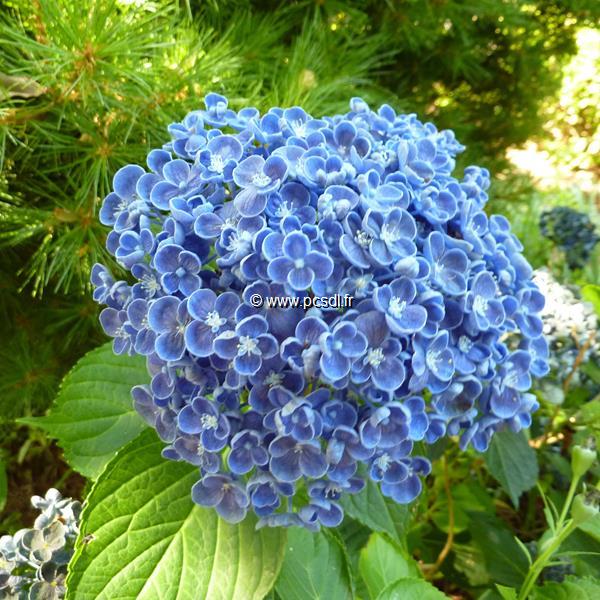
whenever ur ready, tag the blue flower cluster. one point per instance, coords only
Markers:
(269, 402)
(572, 231)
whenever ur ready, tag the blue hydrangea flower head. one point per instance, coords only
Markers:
(286, 408)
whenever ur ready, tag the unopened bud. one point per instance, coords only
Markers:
(582, 458)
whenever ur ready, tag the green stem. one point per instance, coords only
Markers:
(543, 559)
(567, 504)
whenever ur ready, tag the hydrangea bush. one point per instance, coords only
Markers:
(33, 562)
(283, 410)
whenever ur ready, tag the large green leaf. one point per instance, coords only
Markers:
(142, 537)
(504, 558)
(372, 509)
(382, 562)
(513, 463)
(584, 588)
(314, 568)
(93, 415)
(411, 588)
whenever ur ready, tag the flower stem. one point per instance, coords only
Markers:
(450, 539)
(543, 559)
(567, 504)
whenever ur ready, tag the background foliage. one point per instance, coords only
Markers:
(87, 86)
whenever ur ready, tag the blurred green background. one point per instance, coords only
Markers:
(87, 86)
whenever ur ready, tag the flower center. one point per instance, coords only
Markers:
(283, 210)
(150, 284)
(214, 320)
(240, 242)
(432, 359)
(396, 307)
(121, 333)
(362, 239)
(480, 305)
(388, 234)
(464, 344)
(209, 421)
(333, 491)
(299, 263)
(363, 281)
(216, 163)
(180, 272)
(383, 462)
(273, 379)
(375, 356)
(247, 345)
(299, 128)
(260, 180)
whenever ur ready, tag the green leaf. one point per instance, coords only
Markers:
(313, 568)
(513, 463)
(411, 588)
(507, 593)
(572, 588)
(3, 485)
(93, 415)
(583, 549)
(504, 558)
(372, 509)
(143, 538)
(592, 527)
(591, 293)
(590, 411)
(382, 563)
(467, 496)
(469, 559)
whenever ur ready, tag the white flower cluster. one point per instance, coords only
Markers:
(33, 562)
(570, 324)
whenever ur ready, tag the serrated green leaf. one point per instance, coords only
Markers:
(513, 463)
(572, 588)
(371, 508)
(93, 414)
(313, 568)
(411, 588)
(142, 537)
(381, 563)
